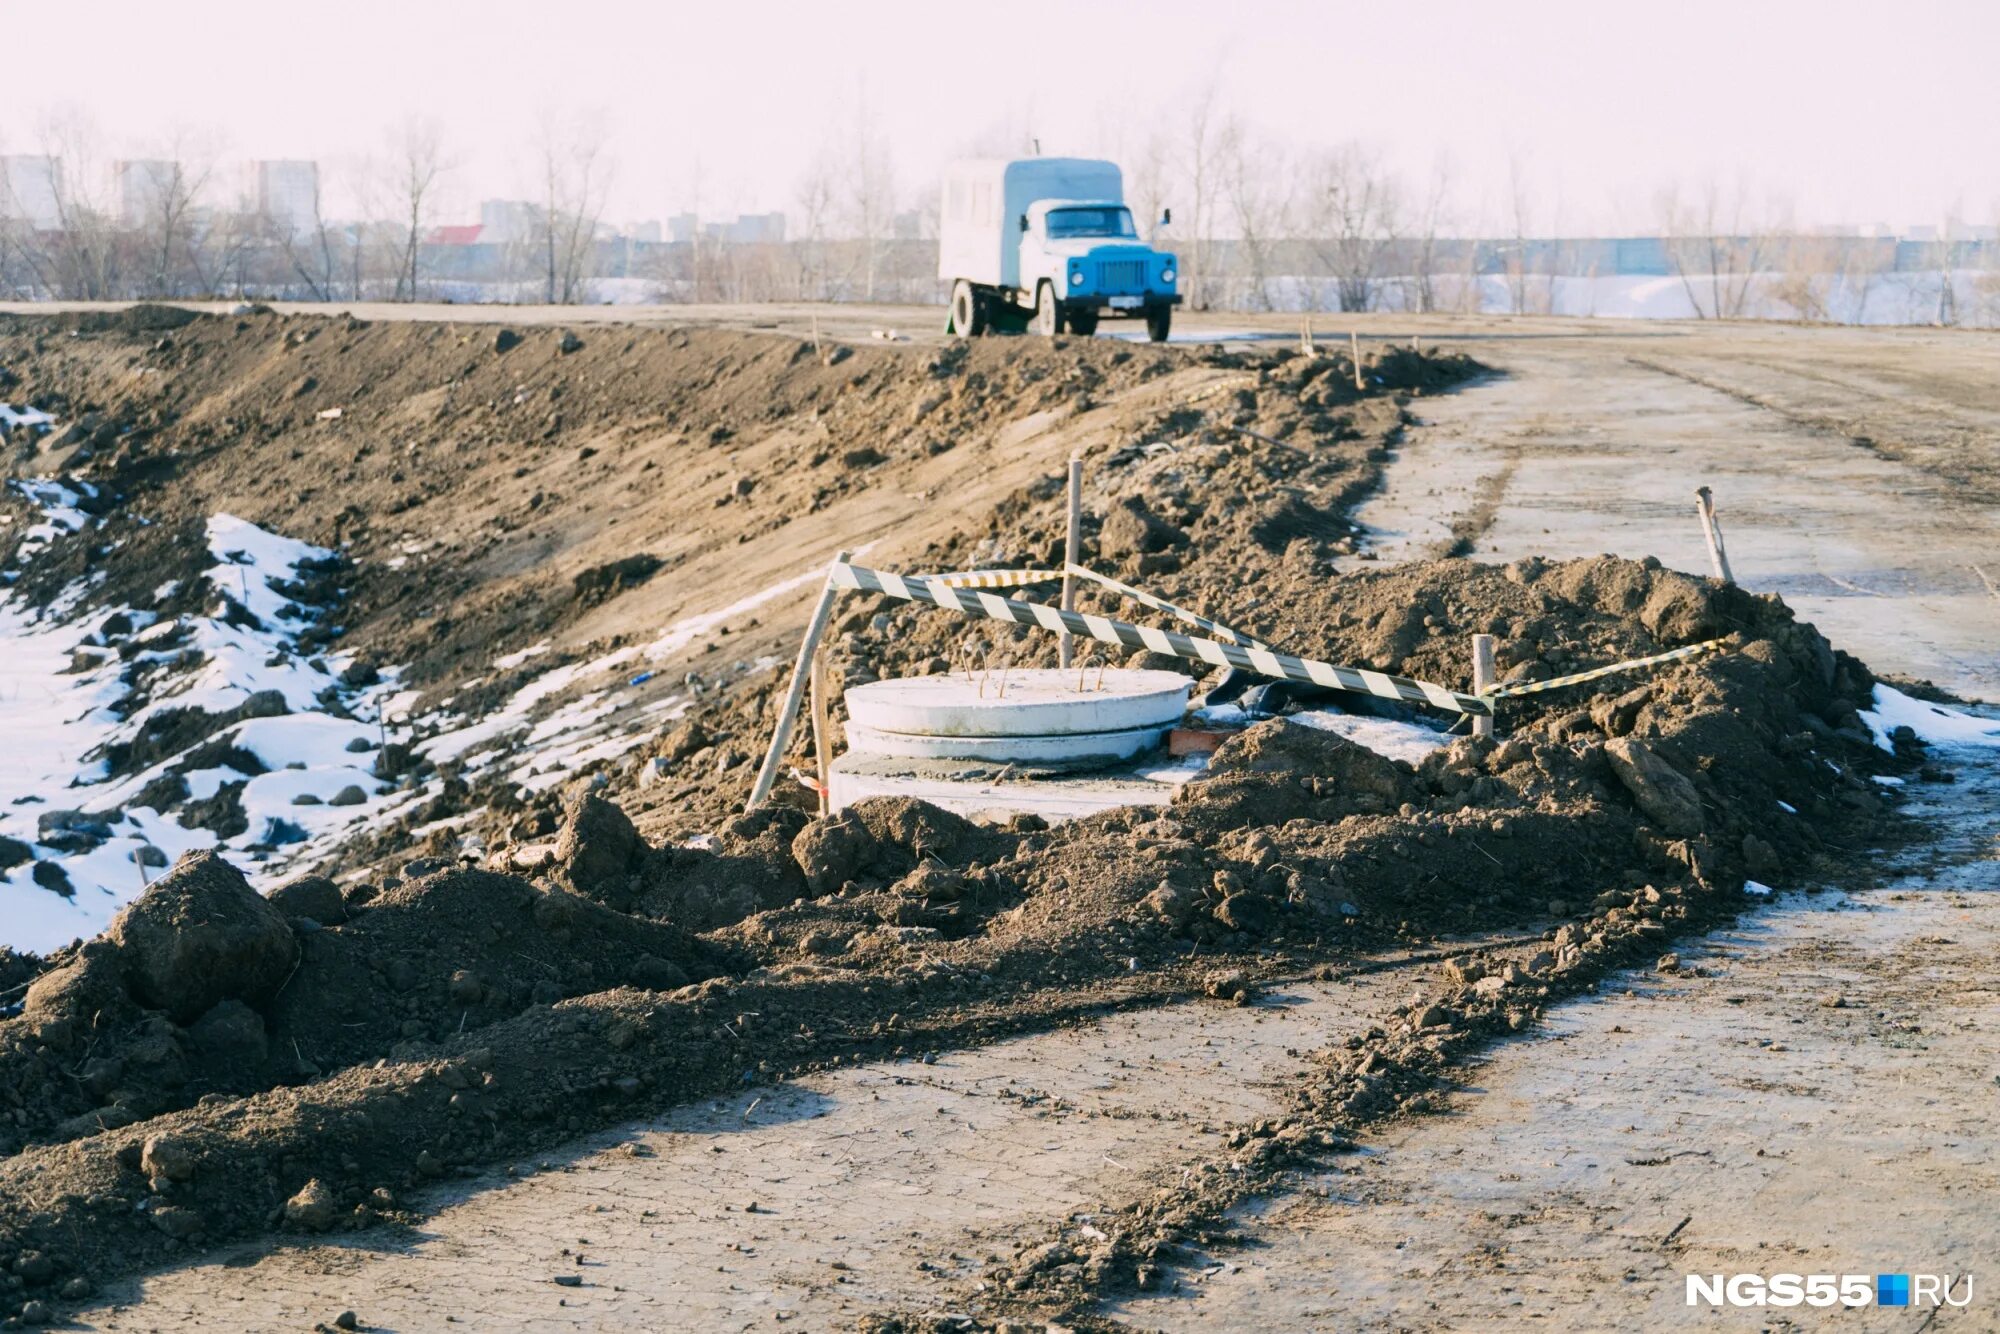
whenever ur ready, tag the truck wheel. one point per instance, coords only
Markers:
(968, 312)
(1083, 323)
(1159, 320)
(1048, 312)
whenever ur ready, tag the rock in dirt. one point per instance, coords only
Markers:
(506, 340)
(178, 1221)
(164, 1158)
(881, 838)
(232, 1036)
(314, 1208)
(1131, 529)
(312, 896)
(1659, 790)
(598, 847)
(1230, 985)
(199, 936)
(1280, 770)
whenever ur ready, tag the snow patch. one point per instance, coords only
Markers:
(1934, 724)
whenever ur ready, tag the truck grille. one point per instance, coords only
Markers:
(1121, 275)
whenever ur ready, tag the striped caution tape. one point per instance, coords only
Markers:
(1161, 604)
(991, 578)
(1672, 655)
(1022, 578)
(1264, 662)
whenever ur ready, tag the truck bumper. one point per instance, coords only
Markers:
(1123, 305)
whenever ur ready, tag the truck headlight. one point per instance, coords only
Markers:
(1076, 277)
(1167, 274)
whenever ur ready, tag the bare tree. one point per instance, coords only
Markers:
(161, 201)
(78, 258)
(1253, 176)
(416, 166)
(1354, 219)
(1712, 238)
(310, 252)
(815, 201)
(1862, 266)
(1424, 261)
(1944, 261)
(576, 176)
(1806, 275)
(1198, 167)
(871, 193)
(1519, 264)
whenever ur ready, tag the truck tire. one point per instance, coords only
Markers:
(1048, 312)
(1159, 321)
(1083, 323)
(968, 311)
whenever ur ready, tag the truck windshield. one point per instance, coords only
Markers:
(1064, 222)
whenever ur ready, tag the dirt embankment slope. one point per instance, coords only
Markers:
(221, 1064)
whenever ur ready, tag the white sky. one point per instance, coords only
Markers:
(1833, 111)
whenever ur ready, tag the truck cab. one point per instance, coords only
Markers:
(1048, 241)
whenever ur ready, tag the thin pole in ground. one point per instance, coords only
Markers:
(1072, 556)
(822, 734)
(788, 712)
(1354, 352)
(1483, 674)
(1704, 505)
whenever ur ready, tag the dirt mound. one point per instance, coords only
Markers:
(199, 936)
(170, 1085)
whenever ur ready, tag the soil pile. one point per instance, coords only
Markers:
(218, 1065)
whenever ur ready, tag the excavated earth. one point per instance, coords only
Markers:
(222, 1065)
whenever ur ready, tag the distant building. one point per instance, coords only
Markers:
(648, 232)
(756, 229)
(683, 228)
(145, 189)
(457, 234)
(31, 190)
(288, 194)
(509, 221)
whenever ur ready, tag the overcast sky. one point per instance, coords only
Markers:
(1844, 112)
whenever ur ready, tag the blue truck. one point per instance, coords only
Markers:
(1048, 242)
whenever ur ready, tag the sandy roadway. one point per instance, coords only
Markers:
(1811, 1092)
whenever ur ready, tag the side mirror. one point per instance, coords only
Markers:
(1166, 217)
(1024, 222)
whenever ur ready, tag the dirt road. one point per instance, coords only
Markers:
(1855, 475)
(1811, 1092)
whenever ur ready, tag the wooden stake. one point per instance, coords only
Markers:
(822, 734)
(788, 712)
(1704, 505)
(1306, 344)
(1483, 678)
(1072, 555)
(1354, 350)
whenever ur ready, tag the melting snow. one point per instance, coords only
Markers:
(1933, 723)
(57, 720)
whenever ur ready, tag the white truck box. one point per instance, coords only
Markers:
(979, 228)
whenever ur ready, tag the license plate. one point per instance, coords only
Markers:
(1126, 302)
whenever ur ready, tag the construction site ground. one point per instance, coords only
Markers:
(1801, 1084)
